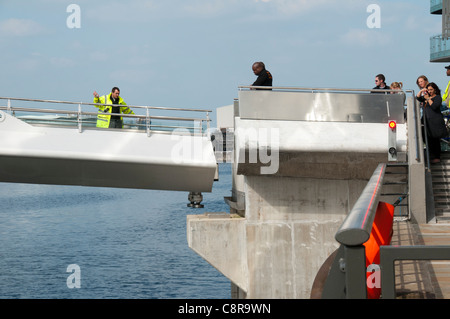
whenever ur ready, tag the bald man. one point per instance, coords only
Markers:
(264, 76)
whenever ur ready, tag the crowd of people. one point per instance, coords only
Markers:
(432, 103)
(431, 100)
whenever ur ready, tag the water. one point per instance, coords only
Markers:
(128, 243)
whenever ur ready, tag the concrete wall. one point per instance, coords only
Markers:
(286, 235)
(282, 222)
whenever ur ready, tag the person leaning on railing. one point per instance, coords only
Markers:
(264, 77)
(107, 120)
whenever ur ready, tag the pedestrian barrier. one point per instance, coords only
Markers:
(363, 266)
(71, 114)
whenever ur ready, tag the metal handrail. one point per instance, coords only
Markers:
(416, 119)
(427, 149)
(79, 112)
(97, 104)
(310, 89)
(23, 109)
(356, 228)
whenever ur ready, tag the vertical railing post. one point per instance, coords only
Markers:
(355, 272)
(79, 122)
(147, 121)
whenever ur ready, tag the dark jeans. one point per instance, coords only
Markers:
(434, 147)
(115, 123)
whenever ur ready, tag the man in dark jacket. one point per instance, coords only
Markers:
(380, 82)
(264, 76)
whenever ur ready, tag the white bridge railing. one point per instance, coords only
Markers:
(71, 114)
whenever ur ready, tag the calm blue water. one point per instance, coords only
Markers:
(127, 243)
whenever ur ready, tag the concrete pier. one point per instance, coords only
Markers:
(297, 172)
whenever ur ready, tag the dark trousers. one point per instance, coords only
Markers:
(434, 147)
(115, 123)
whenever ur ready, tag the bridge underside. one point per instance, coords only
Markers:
(41, 170)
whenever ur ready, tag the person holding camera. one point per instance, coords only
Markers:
(435, 124)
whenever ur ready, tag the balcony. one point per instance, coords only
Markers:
(439, 49)
(436, 6)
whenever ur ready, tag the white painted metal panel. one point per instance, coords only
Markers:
(106, 158)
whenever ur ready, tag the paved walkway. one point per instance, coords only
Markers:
(422, 279)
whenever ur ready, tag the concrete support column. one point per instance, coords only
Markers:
(301, 162)
(286, 235)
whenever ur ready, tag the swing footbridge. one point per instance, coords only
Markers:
(57, 142)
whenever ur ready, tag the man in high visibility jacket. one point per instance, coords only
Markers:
(445, 97)
(107, 120)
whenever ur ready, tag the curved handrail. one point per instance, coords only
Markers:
(356, 228)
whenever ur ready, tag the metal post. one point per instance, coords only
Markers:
(355, 272)
(147, 121)
(79, 119)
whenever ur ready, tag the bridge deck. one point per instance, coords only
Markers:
(422, 279)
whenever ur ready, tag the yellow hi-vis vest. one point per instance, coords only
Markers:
(104, 119)
(445, 96)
